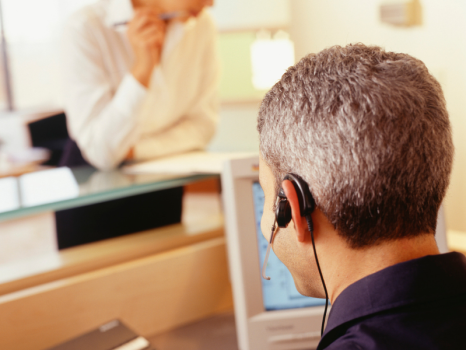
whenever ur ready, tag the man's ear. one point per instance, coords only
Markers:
(299, 221)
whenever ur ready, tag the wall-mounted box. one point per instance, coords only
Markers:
(405, 13)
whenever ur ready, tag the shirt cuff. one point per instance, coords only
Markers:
(129, 95)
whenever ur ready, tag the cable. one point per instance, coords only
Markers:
(310, 225)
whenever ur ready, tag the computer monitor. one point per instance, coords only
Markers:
(270, 315)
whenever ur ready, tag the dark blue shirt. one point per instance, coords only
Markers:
(417, 304)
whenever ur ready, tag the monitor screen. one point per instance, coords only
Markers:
(280, 292)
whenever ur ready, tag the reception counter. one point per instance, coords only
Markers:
(153, 281)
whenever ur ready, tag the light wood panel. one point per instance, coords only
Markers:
(456, 241)
(73, 261)
(151, 295)
(25, 238)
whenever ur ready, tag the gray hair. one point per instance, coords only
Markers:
(369, 132)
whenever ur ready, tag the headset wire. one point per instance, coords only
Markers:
(310, 226)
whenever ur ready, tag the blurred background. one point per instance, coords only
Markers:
(257, 40)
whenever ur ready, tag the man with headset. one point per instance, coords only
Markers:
(356, 154)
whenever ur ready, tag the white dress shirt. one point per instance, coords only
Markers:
(109, 111)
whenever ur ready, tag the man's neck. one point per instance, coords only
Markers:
(344, 266)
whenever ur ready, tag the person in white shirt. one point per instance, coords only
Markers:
(144, 91)
(140, 91)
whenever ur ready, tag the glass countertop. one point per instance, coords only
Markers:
(65, 188)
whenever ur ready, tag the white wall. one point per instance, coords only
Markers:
(33, 35)
(236, 131)
(440, 42)
(247, 14)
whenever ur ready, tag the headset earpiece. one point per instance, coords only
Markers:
(306, 201)
(283, 212)
(283, 217)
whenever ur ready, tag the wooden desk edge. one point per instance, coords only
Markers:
(151, 294)
(98, 255)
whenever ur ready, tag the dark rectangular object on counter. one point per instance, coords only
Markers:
(110, 336)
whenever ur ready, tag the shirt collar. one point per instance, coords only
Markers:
(416, 281)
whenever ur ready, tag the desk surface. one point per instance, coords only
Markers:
(213, 333)
(59, 189)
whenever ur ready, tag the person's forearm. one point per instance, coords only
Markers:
(105, 129)
(186, 135)
(101, 118)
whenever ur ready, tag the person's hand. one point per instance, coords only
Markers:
(146, 33)
(130, 155)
